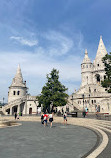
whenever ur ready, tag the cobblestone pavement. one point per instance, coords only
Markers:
(101, 127)
(33, 140)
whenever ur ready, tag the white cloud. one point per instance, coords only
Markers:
(24, 41)
(59, 43)
(58, 52)
(34, 69)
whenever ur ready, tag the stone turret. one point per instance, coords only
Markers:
(99, 73)
(86, 70)
(18, 88)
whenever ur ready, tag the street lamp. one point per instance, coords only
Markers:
(83, 100)
(89, 100)
(3, 100)
(72, 99)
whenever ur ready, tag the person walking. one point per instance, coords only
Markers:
(18, 116)
(15, 115)
(51, 119)
(65, 118)
(45, 120)
(84, 113)
(42, 118)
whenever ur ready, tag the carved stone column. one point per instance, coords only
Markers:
(18, 109)
(11, 111)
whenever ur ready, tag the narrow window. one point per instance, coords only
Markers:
(14, 92)
(18, 93)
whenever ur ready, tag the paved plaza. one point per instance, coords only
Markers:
(33, 140)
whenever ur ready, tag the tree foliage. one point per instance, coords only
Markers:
(107, 81)
(53, 92)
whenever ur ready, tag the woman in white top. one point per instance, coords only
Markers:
(50, 119)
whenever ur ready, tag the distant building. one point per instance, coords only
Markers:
(91, 94)
(18, 99)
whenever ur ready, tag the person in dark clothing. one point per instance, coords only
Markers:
(15, 115)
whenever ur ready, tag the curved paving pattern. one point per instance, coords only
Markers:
(32, 140)
(101, 126)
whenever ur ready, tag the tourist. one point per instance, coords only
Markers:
(84, 113)
(45, 120)
(18, 116)
(51, 119)
(42, 118)
(86, 109)
(15, 115)
(65, 118)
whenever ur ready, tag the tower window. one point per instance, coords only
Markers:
(18, 93)
(104, 77)
(98, 65)
(92, 101)
(14, 92)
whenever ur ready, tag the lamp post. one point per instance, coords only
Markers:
(89, 100)
(3, 100)
(72, 100)
(83, 100)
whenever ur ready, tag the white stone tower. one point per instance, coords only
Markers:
(18, 88)
(86, 70)
(98, 72)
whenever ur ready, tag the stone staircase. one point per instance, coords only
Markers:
(13, 103)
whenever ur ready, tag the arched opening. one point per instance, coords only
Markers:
(98, 108)
(14, 109)
(98, 78)
(14, 92)
(30, 110)
(8, 111)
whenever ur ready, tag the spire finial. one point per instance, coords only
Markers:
(86, 51)
(100, 37)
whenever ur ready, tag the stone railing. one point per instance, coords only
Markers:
(92, 95)
(31, 97)
(17, 100)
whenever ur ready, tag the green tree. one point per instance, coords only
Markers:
(53, 92)
(107, 81)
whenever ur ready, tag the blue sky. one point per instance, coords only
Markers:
(44, 34)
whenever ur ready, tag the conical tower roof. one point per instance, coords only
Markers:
(18, 79)
(86, 59)
(101, 52)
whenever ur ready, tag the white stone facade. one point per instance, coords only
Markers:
(18, 99)
(91, 94)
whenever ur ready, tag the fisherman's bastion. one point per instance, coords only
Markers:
(90, 94)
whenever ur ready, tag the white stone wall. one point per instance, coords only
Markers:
(12, 97)
(32, 104)
(86, 73)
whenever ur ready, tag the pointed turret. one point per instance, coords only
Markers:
(86, 58)
(86, 70)
(18, 88)
(18, 79)
(99, 72)
(101, 52)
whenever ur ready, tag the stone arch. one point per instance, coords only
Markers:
(97, 78)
